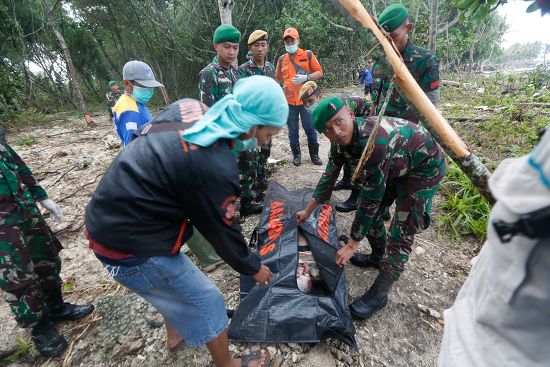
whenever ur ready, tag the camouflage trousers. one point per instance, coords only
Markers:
(253, 171)
(412, 216)
(29, 262)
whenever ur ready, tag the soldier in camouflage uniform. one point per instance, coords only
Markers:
(423, 66)
(253, 163)
(311, 94)
(29, 260)
(112, 96)
(217, 78)
(406, 166)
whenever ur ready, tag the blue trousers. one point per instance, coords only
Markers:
(307, 124)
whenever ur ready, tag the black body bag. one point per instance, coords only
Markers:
(280, 312)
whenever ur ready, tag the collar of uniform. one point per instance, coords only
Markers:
(298, 53)
(253, 64)
(355, 135)
(217, 64)
(408, 52)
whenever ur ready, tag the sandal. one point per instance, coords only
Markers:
(257, 355)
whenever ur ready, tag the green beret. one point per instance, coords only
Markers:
(227, 33)
(325, 110)
(392, 17)
(111, 83)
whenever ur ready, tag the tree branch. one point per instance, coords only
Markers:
(449, 25)
(334, 24)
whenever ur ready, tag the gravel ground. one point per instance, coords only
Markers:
(126, 331)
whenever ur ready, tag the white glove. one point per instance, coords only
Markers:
(53, 208)
(299, 79)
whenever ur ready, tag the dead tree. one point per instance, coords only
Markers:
(49, 15)
(226, 7)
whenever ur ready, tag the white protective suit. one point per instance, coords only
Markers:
(501, 316)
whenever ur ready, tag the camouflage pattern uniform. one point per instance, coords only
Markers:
(358, 105)
(29, 260)
(424, 68)
(360, 108)
(112, 97)
(253, 163)
(406, 166)
(215, 81)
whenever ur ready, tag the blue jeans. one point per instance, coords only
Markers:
(180, 292)
(307, 124)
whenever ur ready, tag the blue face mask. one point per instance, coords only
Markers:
(291, 49)
(247, 144)
(142, 94)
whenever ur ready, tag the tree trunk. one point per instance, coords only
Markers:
(432, 35)
(68, 61)
(226, 7)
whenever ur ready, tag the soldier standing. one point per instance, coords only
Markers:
(253, 163)
(29, 256)
(423, 66)
(112, 96)
(217, 79)
(310, 95)
(406, 166)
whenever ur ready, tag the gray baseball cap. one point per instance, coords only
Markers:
(141, 73)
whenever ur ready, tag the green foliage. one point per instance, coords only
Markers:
(478, 10)
(27, 140)
(68, 287)
(465, 211)
(24, 346)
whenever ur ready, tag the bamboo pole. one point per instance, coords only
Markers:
(445, 134)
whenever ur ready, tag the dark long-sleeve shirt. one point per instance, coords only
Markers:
(159, 185)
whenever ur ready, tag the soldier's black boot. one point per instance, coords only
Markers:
(60, 311)
(386, 216)
(46, 338)
(249, 208)
(375, 298)
(371, 260)
(296, 154)
(351, 204)
(314, 154)
(343, 184)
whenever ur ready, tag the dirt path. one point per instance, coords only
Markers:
(69, 161)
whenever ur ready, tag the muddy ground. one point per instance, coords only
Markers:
(69, 161)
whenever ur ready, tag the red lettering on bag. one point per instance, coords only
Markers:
(274, 227)
(324, 221)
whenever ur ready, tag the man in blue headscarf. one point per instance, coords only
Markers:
(180, 172)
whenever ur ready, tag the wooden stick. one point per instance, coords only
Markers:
(70, 352)
(407, 83)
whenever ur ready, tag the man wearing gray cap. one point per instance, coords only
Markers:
(130, 111)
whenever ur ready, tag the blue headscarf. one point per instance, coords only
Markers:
(256, 101)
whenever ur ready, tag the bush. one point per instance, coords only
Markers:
(466, 212)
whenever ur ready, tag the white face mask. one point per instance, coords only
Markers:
(292, 48)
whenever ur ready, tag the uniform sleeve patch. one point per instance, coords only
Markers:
(131, 126)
